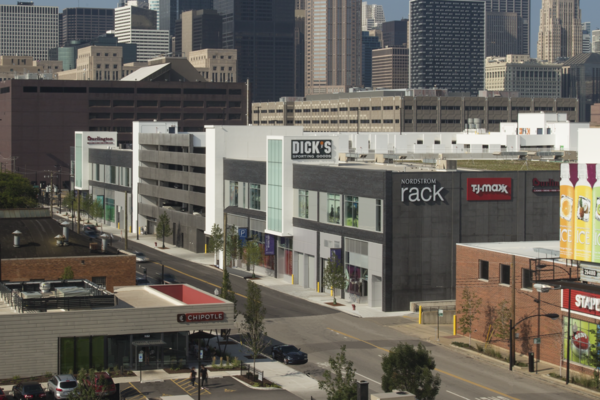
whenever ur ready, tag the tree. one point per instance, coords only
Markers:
(409, 368)
(334, 275)
(87, 206)
(69, 200)
(501, 322)
(253, 327)
(593, 358)
(228, 294)
(253, 254)
(86, 386)
(233, 242)
(215, 244)
(341, 384)
(16, 191)
(469, 312)
(97, 210)
(67, 274)
(163, 228)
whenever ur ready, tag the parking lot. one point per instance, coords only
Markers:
(218, 388)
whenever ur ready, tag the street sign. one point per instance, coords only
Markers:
(537, 340)
(201, 354)
(440, 313)
(260, 376)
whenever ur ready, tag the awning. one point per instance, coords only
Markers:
(149, 343)
(201, 335)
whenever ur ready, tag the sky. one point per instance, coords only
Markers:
(393, 9)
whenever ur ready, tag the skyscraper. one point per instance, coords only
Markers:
(390, 68)
(560, 30)
(138, 25)
(299, 43)
(187, 5)
(85, 24)
(166, 14)
(28, 30)
(523, 10)
(370, 42)
(447, 47)
(502, 34)
(333, 46)
(596, 41)
(197, 30)
(395, 33)
(372, 16)
(262, 31)
(586, 41)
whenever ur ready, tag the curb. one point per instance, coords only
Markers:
(255, 388)
(484, 357)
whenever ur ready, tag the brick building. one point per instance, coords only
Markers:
(38, 256)
(485, 269)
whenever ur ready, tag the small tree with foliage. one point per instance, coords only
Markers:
(97, 210)
(253, 254)
(228, 294)
(254, 333)
(340, 382)
(16, 191)
(87, 206)
(233, 244)
(69, 200)
(86, 386)
(334, 275)
(163, 228)
(67, 274)
(216, 242)
(469, 312)
(593, 358)
(501, 322)
(411, 369)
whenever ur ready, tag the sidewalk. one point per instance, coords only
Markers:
(362, 310)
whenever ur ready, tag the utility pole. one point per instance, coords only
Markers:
(224, 242)
(51, 191)
(513, 307)
(78, 212)
(126, 224)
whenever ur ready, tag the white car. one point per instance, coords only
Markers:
(62, 385)
(140, 257)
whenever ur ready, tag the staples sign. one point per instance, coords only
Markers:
(582, 303)
(489, 189)
(201, 317)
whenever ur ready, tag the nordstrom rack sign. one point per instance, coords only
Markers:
(421, 190)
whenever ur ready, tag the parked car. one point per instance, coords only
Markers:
(61, 385)
(103, 390)
(28, 390)
(90, 230)
(289, 354)
(141, 257)
(2, 394)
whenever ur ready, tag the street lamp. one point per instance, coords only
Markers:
(512, 327)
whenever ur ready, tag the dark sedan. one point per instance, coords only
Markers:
(28, 390)
(289, 354)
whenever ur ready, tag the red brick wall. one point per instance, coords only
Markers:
(118, 270)
(492, 293)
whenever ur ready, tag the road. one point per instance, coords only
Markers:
(320, 331)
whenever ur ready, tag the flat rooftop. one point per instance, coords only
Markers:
(163, 296)
(539, 249)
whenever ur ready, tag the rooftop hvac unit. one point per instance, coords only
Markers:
(73, 292)
(31, 295)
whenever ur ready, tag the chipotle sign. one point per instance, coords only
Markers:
(489, 189)
(201, 317)
(582, 302)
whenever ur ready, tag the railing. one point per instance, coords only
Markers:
(251, 372)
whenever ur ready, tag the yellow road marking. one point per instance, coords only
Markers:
(437, 369)
(198, 279)
(137, 390)
(187, 383)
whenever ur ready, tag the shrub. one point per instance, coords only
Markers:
(48, 375)
(256, 384)
(463, 345)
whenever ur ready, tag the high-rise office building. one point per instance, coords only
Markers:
(523, 10)
(138, 25)
(596, 41)
(586, 40)
(447, 47)
(187, 5)
(520, 73)
(560, 30)
(372, 16)
(370, 42)
(395, 33)
(390, 68)
(85, 24)
(196, 30)
(166, 14)
(262, 31)
(300, 4)
(299, 43)
(502, 34)
(581, 80)
(333, 56)
(28, 30)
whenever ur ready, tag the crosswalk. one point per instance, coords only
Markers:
(186, 386)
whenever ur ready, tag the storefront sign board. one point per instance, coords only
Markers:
(100, 140)
(421, 190)
(582, 303)
(243, 235)
(201, 317)
(549, 186)
(269, 245)
(312, 149)
(489, 189)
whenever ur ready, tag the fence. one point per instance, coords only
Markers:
(251, 373)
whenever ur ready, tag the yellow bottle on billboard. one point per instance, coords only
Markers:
(583, 222)
(596, 217)
(567, 214)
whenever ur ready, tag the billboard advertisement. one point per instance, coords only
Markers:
(580, 212)
(489, 189)
(582, 341)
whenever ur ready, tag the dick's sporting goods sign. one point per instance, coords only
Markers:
(489, 189)
(312, 149)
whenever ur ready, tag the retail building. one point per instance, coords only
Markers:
(85, 326)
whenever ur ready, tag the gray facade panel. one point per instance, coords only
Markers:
(345, 180)
(245, 171)
(117, 158)
(358, 234)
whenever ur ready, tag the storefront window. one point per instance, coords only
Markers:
(357, 280)
(110, 210)
(583, 336)
(113, 174)
(82, 355)
(98, 353)
(233, 194)
(254, 196)
(378, 215)
(351, 211)
(303, 203)
(67, 355)
(285, 256)
(174, 349)
(333, 208)
(119, 351)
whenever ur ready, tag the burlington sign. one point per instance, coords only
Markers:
(100, 140)
(201, 317)
(311, 149)
(417, 190)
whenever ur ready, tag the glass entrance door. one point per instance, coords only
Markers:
(148, 357)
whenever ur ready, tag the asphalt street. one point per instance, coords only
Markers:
(320, 331)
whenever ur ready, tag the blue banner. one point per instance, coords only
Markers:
(243, 235)
(337, 253)
(269, 245)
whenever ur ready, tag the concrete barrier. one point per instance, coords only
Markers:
(431, 317)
